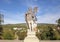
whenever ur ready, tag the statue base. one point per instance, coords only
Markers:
(31, 37)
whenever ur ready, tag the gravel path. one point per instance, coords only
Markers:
(23, 41)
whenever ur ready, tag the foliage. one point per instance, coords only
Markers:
(22, 35)
(58, 21)
(46, 31)
(48, 34)
(8, 35)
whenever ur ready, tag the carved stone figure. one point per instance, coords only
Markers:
(30, 18)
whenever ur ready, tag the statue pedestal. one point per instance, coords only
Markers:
(31, 37)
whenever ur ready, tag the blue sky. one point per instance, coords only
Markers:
(14, 10)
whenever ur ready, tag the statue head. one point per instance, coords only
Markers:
(29, 10)
(35, 10)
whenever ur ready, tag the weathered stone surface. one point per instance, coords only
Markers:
(31, 24)
(31, 39)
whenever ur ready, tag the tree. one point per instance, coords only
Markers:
(58, 25)
(8, 35)
(48, 34)
(58, 21)
(22, 35)
(1, 28)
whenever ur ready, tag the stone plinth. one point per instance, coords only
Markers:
(31, 37)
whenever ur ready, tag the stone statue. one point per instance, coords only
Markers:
(30, 18)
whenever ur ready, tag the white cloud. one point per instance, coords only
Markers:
(12, 21)
(49, 15)
(2, 11)
(19, 17)
(48, 18)
(14, 18)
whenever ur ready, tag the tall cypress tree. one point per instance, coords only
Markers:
(1, 28)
